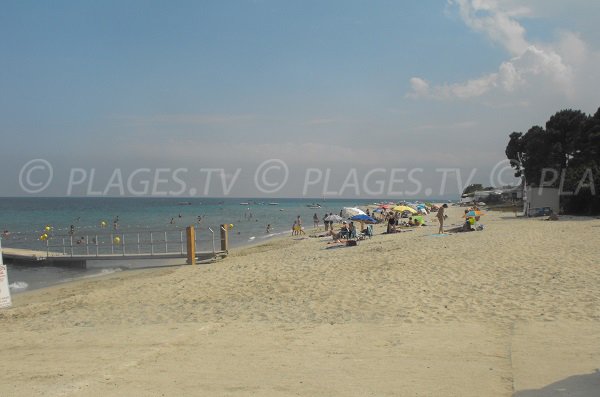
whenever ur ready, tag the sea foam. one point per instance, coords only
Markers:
(18, 286)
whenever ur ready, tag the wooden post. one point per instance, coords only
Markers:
(191, 245)
(224, 238)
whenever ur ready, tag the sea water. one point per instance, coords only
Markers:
(24, 220)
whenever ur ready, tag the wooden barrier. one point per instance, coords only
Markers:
(224, 238)
(191, 245)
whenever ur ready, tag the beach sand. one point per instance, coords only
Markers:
(511, 310)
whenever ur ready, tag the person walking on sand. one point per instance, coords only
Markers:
(440, 216)
(299, 225)
(316, 220)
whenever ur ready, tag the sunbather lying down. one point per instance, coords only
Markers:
(399, 230)
(466, 227)
(337, 237)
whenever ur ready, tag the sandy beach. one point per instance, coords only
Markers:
(513, 310)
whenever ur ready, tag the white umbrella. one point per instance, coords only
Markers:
(351, 211)
(333, 218)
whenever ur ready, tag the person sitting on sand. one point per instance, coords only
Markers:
(344, 230)
(352, 230)
(391, 226)
(336, 237)
(466, 227)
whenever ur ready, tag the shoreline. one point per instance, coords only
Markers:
(248, 245)
(501, 312)
(83, 277)
(239, 249)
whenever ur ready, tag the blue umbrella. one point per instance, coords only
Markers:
(473, 213)
(363, 218)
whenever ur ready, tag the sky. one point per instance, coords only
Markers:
(112, 94)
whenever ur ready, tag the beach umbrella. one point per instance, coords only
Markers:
(351, 211)
(419, 218)
(473, 213)
(333, 218)
(363, 218)
(384, 206)
(402, 208)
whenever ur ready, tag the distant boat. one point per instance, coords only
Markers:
(313, 205)
(273, 203)
(184, 203)
(243, 203)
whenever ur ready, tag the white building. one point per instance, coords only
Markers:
(538, 198)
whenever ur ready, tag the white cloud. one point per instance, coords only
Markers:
(499, 25)
(420, 88)
(530, 65)
(572, 47)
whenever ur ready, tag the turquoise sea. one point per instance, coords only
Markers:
(23, 221)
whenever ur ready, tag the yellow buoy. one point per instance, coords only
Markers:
(231, 225)
(48, 228)
(117, 240)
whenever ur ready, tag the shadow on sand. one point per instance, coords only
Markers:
(574, 386)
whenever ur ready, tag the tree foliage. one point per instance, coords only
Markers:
(473, 188)
(565, 154)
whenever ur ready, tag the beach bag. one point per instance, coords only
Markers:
(351, 243)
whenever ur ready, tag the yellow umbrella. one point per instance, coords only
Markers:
(402, 208)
